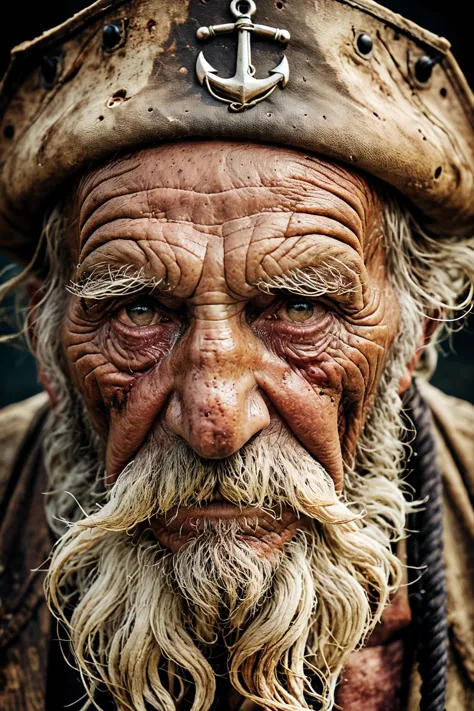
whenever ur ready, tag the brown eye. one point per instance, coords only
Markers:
(142, 313)
(297, 310)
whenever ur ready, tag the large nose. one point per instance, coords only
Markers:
(216, 405)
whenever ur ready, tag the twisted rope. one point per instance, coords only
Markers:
(425, 554)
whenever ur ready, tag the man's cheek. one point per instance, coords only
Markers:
(107, 361)
(331, 355)
(363, 363)
(341, 363)
(365, 351)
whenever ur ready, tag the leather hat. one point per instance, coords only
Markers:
(346, 79)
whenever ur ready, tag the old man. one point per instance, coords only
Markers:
(256, 222)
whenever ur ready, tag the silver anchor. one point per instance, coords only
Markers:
(242, 90)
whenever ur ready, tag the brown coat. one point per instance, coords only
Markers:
(25, 623)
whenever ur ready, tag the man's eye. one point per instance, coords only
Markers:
(142, 313)
(298, 310)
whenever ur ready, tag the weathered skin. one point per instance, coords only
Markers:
(211, 220)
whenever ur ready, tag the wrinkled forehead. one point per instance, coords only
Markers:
(210, 183)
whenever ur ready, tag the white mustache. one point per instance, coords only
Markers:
(269, 473)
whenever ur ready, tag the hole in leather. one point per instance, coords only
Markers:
(117, 98)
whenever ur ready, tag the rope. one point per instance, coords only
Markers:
(425, 554)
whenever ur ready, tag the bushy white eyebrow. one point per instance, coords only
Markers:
(313, 281)
(105, 282)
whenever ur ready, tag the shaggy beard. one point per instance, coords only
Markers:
(134, 626)
(145, 622)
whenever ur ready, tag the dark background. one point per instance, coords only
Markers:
(27, 20)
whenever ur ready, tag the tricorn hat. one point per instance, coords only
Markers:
(346, 79)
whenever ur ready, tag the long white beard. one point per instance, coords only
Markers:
(289, 624)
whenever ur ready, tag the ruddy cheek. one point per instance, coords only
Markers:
(307, 349)
(105, 362)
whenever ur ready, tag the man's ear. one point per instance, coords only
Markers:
(35, 294)
(431, 325)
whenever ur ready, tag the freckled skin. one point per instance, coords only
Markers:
(211, 220)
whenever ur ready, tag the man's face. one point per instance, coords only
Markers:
(228, 326)
(264, 299)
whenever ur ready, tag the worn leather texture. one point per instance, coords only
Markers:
(369, 112)
(25, 543)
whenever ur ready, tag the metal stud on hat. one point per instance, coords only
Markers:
(111, 36)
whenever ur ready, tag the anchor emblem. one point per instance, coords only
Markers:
(243, 90)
